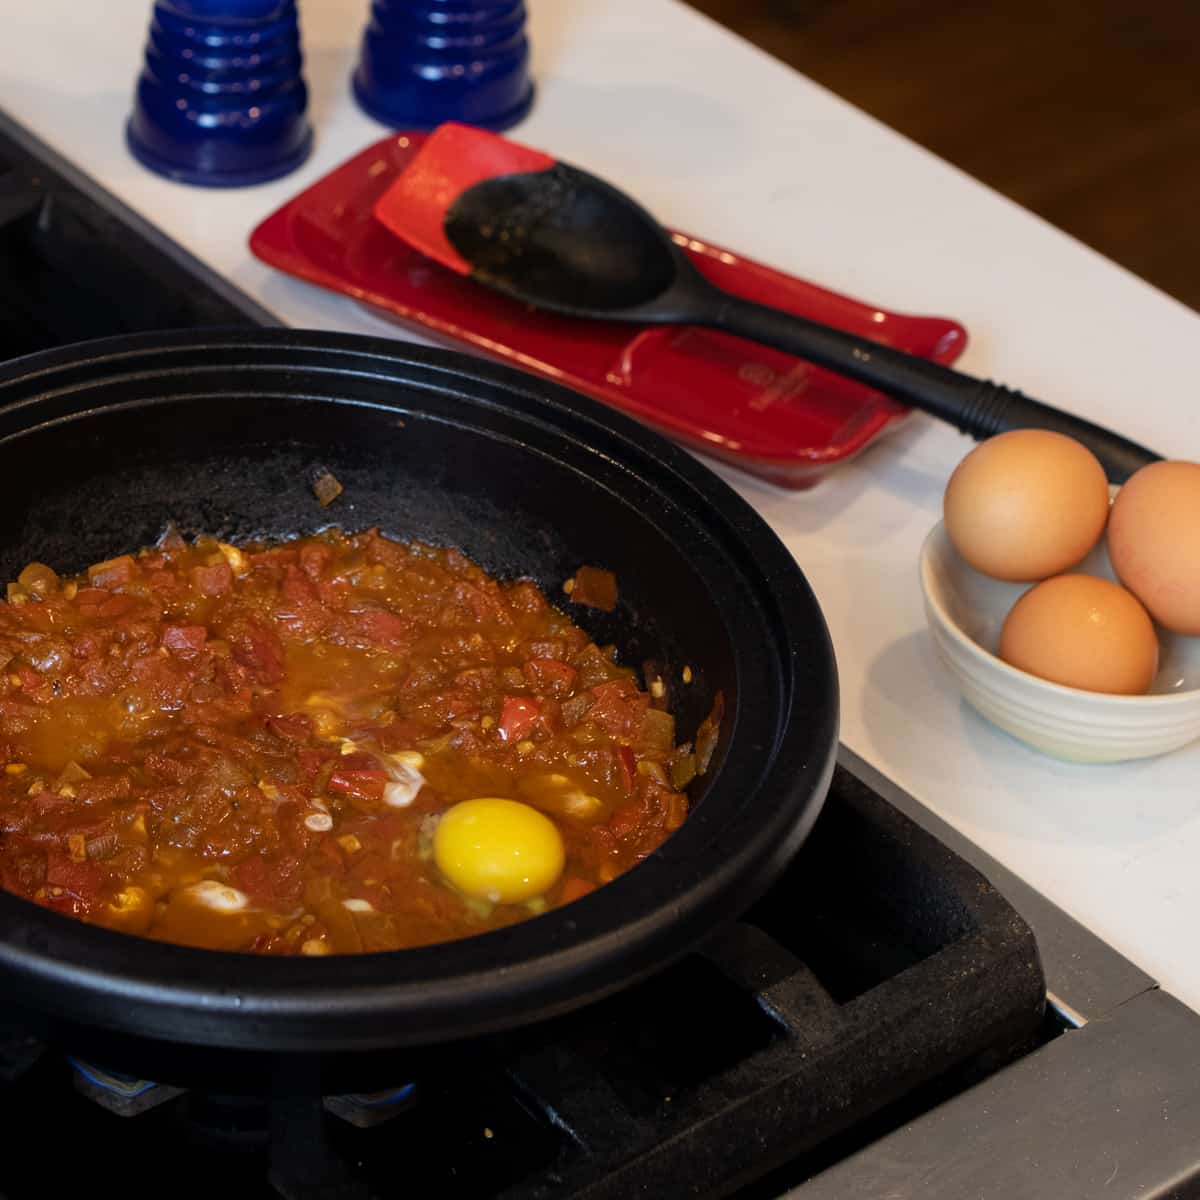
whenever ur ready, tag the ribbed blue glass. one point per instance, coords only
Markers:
(221, 100)
(428, 61)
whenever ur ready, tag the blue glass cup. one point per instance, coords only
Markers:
(428, 61)
(221, 100)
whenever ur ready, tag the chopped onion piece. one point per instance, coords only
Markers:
(234, 557)
(219, 896)
(581, 805)
(707, 733)
(655, 770)
(319, 822)
(683, 771)
(325, 486)
(358, 906)
(404, 785)
(409, 758)
(657, 733)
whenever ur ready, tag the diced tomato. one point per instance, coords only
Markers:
(378, 627)
(383, 551)
(298, 588)
(47, 802)
(300, 611)
(619, 706)
(117, 606)
(360, 760)
(82, 880)
(526, 597)
(162, 582)
(625, 820)
(484, 603)
(476, 679)
(167, 768)
(185, 640)
(268, 878)
(166, 680)
(103, 789)
(23, 873)
(258, 649)
(450, 706)
(518, 716)
(216, 580)
(364, 785)
(550, 675)
(595, 588)
(114, 573)
(292, 727)
(314, 558)
(331, 854)
(90, 598)
(274, 556)
(574, 888)
(311, 761)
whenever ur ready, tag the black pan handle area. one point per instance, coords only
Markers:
(976, 406)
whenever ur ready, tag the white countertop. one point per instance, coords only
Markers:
(720, 139)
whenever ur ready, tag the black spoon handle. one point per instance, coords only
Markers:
(976, 406)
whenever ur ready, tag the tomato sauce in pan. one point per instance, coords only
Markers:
(331, 745)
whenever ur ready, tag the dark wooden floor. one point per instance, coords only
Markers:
(1085, 111)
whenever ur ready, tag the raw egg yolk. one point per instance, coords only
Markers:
(498, 850)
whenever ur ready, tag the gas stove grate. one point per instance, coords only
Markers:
(70, 270)
(879, 963)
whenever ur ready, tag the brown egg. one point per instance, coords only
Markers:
(1154, 542)
(1026, 505)
(1083, 632)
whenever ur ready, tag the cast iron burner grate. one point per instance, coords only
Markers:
(880, 966)
(71, 270)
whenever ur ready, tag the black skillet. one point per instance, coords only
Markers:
(552, 236)
(104, 443)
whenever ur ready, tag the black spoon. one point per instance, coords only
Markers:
(557, 238)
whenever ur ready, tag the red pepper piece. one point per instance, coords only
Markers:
(364, 785)
(518, 716)
(628, 765)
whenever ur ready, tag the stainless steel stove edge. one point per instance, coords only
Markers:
(1109, 1109)
(1085, 977)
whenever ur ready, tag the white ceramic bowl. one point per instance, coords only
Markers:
(966, 610)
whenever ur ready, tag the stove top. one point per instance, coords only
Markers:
(76, 264)
(881, 972)
(898, 1017)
